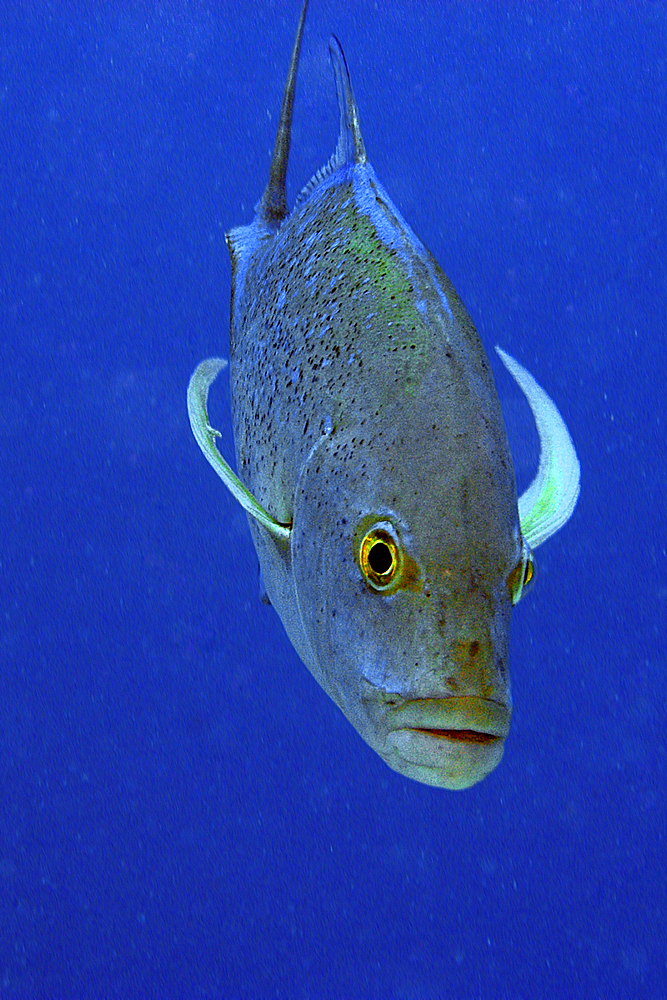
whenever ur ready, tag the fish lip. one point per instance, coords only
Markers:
(459, 719)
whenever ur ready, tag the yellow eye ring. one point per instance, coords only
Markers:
(380, 558)
(523, 574)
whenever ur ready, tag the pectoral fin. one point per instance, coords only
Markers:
(200, 383)
(552, 496)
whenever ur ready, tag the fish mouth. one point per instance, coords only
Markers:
(458, 735)
(451, 742)
(467, 719)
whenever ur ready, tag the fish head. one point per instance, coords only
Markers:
(405, 551)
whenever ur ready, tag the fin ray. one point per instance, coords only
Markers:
(350, 149)
(272, 207)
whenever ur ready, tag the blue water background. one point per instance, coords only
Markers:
(184, 813)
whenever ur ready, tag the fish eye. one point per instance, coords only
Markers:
(523, 574)
(380, 558)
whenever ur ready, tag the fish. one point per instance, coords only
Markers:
(373, 462)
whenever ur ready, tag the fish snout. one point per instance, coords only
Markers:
(451, 742)
(454, 742)
(476, 668)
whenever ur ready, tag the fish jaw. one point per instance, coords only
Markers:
(450, 742)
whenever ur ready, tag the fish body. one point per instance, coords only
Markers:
(373, 460)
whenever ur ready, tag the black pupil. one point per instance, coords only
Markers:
(380, 558)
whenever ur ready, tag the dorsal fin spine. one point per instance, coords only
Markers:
(350, 150)
(350, 147)
(272, 208)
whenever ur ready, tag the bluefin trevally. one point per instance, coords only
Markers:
(373, 461)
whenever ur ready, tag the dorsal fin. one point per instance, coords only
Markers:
(350, 147)
(272, 208)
